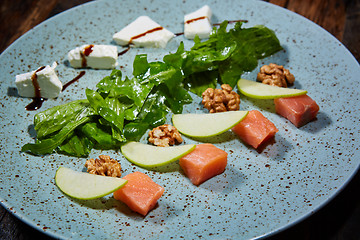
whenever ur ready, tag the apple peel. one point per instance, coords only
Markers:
(259, 90)
(86, 186)
(207, 124)
(147, 156)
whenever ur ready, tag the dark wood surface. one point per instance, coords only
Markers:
(339, 219)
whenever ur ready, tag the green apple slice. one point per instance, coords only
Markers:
(263, 91)
(207, 124)
(145, 155)
(81, 185)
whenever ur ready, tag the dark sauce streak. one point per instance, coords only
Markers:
(82, 73)
(124, 51)
(215, 24)
(139, 36)
(37, 100)
(143, 34)
(232, 21)
(87, 50)
(195, 19)
(35, 104)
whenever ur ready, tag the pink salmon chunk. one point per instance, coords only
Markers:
(206, 161)
(299, 110)
(255, 129)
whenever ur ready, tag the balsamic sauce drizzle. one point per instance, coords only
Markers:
(37, 100)
(139, 36)
(124, 51)
(214, 24)
(86, 52)
(35, 104)
(82, 73)
(143, 34)
(195, 19)
(232, 21)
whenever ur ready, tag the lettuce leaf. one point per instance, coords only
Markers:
(48, 145)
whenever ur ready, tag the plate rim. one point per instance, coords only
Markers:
(293, 222)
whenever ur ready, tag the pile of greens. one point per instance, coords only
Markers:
(123, 109)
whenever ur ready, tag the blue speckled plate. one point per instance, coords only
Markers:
(259, 193)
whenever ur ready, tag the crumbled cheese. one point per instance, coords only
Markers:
(143, 32)
(94, 56)
(48, 82)
(198, 23)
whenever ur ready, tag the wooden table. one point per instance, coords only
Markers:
(340, 219)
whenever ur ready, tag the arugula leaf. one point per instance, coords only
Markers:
(154, 110)
(100, 135)
(199, 82)
(116, 121)
(133, 131)
(77, 144)
(47, 146)
(167, 82)
(53, 119)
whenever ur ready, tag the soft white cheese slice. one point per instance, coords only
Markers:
(94, 56)
(198, 23)
(47, 80)
(143, 32)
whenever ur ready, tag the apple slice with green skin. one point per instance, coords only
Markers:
(145, 155)
(85, 186)
(259, 90)
(207, 124)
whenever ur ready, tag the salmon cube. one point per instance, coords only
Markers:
(205, 162)
(299, 110)
(255, 129)
(140, 193)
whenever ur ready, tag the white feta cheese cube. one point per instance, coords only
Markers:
(94, 56)
(198, 23)
(42, 82)
(143, 32)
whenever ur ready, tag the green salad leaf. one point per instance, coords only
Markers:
(225, 56)
(122, 109)
(48, 145)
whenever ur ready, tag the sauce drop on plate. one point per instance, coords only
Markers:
(82, 73)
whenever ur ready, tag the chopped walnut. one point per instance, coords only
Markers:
(275, 75)
(104, 166)
(164, 135)
(221, 100)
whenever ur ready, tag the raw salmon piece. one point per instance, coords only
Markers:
(255, 129)
(299, 110)
(140, 193)
(205, 162)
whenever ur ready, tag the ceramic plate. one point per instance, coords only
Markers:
(259, 193)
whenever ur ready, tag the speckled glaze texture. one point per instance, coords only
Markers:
(259, 193)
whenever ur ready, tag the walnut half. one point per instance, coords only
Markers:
(275, 75)
(164, 136)
(104, 166)
(221, 100)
